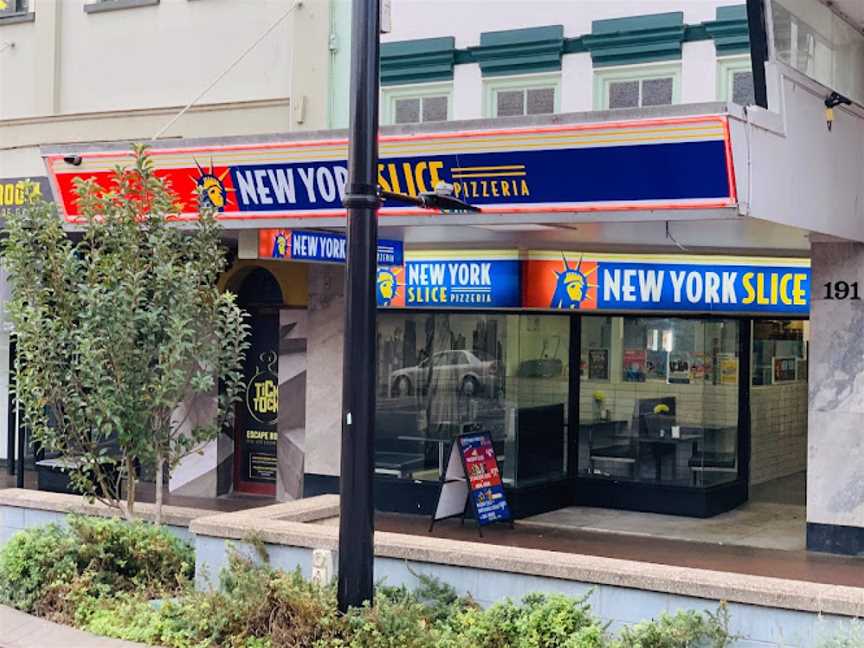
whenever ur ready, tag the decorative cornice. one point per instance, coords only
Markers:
(418, 61)
(637, 39)
(730, 31)
(617, 41)
(520, 51)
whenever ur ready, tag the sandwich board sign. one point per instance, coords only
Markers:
(472, 477)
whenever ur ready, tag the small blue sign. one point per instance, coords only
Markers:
(462, 283)
(323, 247)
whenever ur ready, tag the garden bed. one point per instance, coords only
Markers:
(763, 611)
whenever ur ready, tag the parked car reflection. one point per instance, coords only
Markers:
(471, 373)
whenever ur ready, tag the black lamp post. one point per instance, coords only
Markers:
(356, 503)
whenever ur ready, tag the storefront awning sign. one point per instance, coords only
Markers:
(683, 163)
(592, 282)
(320, 247)
(598, 282)
(17, 194)
(487, 279)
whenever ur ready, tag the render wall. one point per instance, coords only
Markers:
(324, 374)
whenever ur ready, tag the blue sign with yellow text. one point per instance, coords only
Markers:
(648, 283)
(453, 280)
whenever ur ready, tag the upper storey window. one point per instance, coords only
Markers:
(416, 104)
(637, 86)
(524, 95)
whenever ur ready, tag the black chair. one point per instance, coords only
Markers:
(715, 455)
(395, 456)
(613, 442)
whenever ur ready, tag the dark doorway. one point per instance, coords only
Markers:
(255, 431)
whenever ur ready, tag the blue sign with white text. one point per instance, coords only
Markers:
(462, 283)
(322, 247)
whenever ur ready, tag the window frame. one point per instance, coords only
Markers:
(641, 72)
(727, 67)
(22, 12)
(524, 82)
(391, 94)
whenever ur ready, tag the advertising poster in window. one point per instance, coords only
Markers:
(680, 363)
(598, 364)
(728, 368)
(258, 411)
(484, 478)
(700, 367)
(784, 369)
(262, 406)
(655, 365)
(635, 365)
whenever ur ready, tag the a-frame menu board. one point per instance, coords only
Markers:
(472, 476)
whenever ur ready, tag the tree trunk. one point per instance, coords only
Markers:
(160, 465)
(131, 483)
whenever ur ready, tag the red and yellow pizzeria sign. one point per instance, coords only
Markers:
(680, 163)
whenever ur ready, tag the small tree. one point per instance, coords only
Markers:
(117, 330)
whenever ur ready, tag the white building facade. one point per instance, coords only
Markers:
(657, 306)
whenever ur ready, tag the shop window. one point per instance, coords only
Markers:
(636, 86)
(816, 41)
(780, 349)
(12, 8)
(416, 104)
(658, 400)
(442, 374)
(735, 81)
(524, 95)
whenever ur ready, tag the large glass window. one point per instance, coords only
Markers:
(778, 399)
(814, 40)
(780, 351)
(442, 374)
(12, 7)
(658, 400)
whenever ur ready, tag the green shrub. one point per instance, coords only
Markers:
(102, 575)
(540, 621)
(681, 630)
(853, 637)
(31, 562)
(61, 572)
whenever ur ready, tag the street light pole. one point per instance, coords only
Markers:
(356, 502)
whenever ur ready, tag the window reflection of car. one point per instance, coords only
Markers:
(472, 373)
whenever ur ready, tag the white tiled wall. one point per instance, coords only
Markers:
(778, 424)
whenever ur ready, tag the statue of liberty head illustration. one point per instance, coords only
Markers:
(386, 286)
(571, 286)
(280, 246)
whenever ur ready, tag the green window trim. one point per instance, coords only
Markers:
(604, 77)
(636, 39)
(726, 69)
(418, 61)
(390, 95)
(519, 51)
(730, 31)
(523, 82)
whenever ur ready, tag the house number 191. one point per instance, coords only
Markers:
(841, 290)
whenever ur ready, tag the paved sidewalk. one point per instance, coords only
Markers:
(19, 630)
